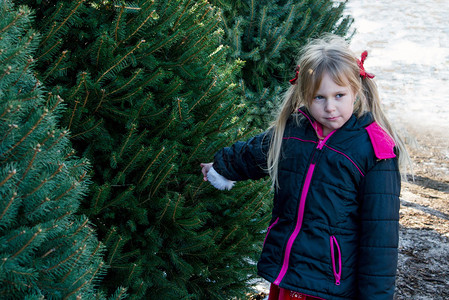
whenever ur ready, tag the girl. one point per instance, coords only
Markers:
(333, 159)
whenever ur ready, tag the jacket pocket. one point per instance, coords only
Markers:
(336, 259)
(268, 230)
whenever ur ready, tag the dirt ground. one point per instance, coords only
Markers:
(423, 267)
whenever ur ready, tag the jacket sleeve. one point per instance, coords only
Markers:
(244, 160)
(379, 231)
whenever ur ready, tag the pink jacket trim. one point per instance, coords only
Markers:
(382, 143)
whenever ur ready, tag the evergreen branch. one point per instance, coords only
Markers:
(73, 114)
(6, 72)
(160, 182)
(87, 96)
(10, 174)
(158, 113)
(115, 249)
(125, 114)
(176, 207)
(262, 21)
(117, 24)
(164, 211)
(236, 38)
(27, 244)
(63, 22)
(16, 236)
(141, 107)
(13, 22)
(204, 94)
(234, 245)
(278, 44)
(9, 204)
(251, 21)
(133, 19)
(215, 236)
(128, 7)
(126, 84)
(61, 135)
(160, 46)
(109, 235)
(99, 50)
(101, 189)
(53, 16)
(137, 29)
(56, 65)
(67, 191)
(304, 22)
(179, 108)
(197, 147)
(29, 61)
(83, 225)
(122, 293)
(132, 160)
(194, 55)
(190, 225)
(131, 187)
(90, 129)
(180, 15)
(7, 111)
(75, 262)
(28, 99)
(131, 273)
(59, 100)
(18, 51)
(83, 79)
(120, 60)
(28, 133)
(103, 93)
(128, 95)
(50, 49)
(174, 89)
(99, 244)
(48, 252)
(229, 234)
(216, 58)
(63, 261)
(149, 166)
(60, 166)
(133, 127)
(204, 35)
(30, 164)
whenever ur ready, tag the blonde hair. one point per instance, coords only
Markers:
(329, 54)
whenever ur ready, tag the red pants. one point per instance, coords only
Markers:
(277, 293)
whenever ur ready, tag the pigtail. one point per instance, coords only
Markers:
(290, 104)
(373, 104)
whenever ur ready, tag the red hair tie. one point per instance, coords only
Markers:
(293, 81)
(360, 62)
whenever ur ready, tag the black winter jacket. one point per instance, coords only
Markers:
(335, 220)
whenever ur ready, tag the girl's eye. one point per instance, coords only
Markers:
(340, 95)
(318, 97)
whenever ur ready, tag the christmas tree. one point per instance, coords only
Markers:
(267, 35)
(151, 94)
(46, 251)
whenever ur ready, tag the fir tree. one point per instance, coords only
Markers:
(150, 95)
(45, 250)
(267, 35)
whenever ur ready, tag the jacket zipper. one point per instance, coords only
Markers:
(337, 273)
(302, 203)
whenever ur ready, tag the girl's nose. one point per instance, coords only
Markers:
(329, 106)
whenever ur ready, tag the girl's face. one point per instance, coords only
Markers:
(332, 105)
